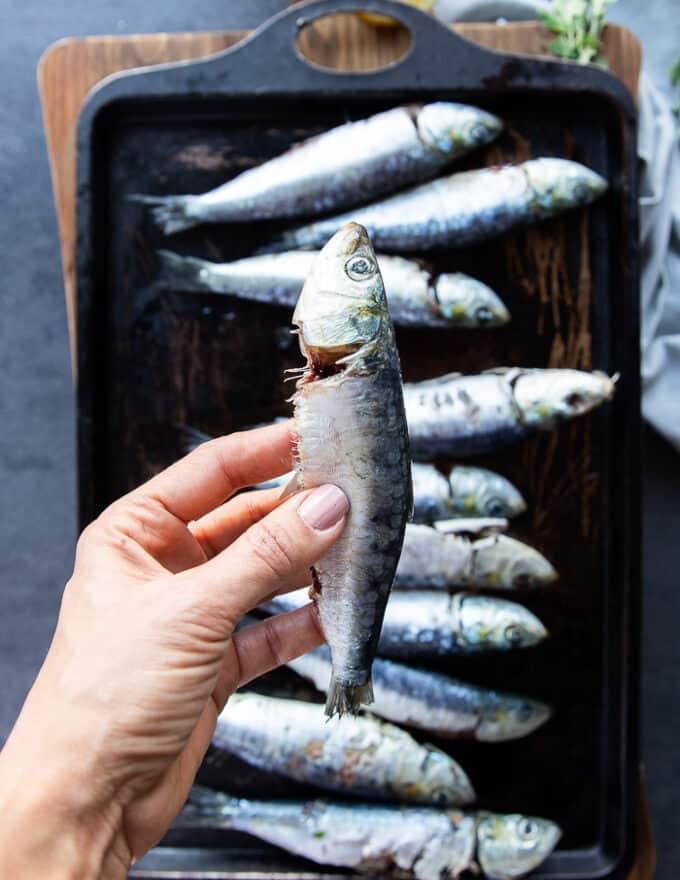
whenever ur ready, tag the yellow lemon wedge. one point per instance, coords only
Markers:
(386, 21)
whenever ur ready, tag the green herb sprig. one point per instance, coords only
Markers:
(578, 25)
(675, 81)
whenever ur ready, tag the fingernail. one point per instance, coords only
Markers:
(324, 507)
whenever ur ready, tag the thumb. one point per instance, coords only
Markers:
(275, 552)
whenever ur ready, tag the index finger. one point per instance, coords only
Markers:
(204, 479)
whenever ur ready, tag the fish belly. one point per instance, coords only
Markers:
(351, 433)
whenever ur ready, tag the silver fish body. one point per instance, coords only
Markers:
(457, 416)
(441, 705)
(423, 625)
(351, 430)
(358, 755)
(414, 296)
(432, 560)
(419, 842)
(463, 208)
(350, 164)
(465, 492)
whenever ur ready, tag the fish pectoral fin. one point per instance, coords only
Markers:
(292, 487)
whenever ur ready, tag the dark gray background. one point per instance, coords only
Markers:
(37, 454)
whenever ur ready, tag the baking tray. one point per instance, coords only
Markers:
(149, 362)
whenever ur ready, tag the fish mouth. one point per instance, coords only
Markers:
(325, 361)
(349, 238)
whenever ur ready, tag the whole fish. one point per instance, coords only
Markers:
(432, 559)
(462, 208)
(426, 700)
(421, 625)
(423, 843)
(414, 296)
(353, 163)
(357, 755)
(350, 430)
(465, 492)
(455, 415)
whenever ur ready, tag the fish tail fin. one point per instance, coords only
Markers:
(180, 273)
(191, 437)
(344, 698)
(207, 806)
(171, 213)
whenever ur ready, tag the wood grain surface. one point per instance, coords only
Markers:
(70, 68)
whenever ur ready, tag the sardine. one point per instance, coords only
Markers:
(457, 416)
(435, 560)
(350, 430)
(429, 701)
(422, 625)
(423, 843)
(465, 492)
(353, 163)
(415, 297)
(357, 755)
(461, 209)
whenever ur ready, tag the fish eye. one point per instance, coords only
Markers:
(483, 315)
(478, 133)
(524, 712)
(512, 634)
(581, 192)
(575, 400)
(494, 507)
(360, 268)
(526, 828)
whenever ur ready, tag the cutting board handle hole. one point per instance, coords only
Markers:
(348, 42)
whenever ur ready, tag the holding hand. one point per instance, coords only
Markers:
(143, 658)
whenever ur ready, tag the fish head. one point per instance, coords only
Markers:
(342, 307)
(505, 563)
(442, 780)
(495, 623)
(558, 184)
(485, 493)
(451, 128)
(506, 716)
(510, 846)
(467, 302)
(547, 397)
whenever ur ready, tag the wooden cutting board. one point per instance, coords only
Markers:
(70, 68)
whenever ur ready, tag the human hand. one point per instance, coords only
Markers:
(143, 657)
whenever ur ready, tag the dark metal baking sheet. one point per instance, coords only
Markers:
(150, 361)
